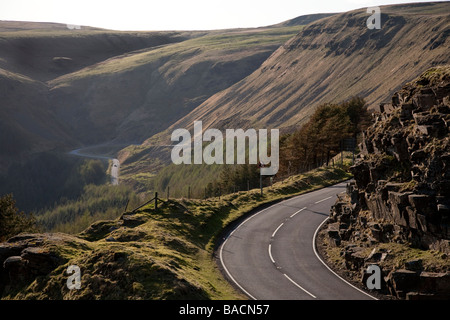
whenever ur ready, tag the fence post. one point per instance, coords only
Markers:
(156, 200)
(260, 182)
(168, 190)
(189, 192)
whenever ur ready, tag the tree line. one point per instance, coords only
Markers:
(314, 144)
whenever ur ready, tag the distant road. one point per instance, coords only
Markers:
(81, 152)
(271, 255)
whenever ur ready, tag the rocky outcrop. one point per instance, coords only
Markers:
(401, 191)
(403, 176)
(28, 256)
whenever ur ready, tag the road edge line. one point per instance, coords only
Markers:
(320, 259)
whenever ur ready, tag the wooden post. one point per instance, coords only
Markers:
(260, 182)
(156, 200)
(248, 185)
(189, 192)
(168, 190)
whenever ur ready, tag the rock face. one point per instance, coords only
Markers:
(401, 192)
(403, 176)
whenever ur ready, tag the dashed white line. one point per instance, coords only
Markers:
(273, 234)
(270, 253)
(299, 286)
(323, 200)
(292, 215)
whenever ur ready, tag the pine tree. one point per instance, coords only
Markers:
(13, 221)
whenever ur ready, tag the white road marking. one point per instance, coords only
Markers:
(318, 257)
(297, 212)
(323, 200)
(273, 234)
(270, 253)
(299, 286)
(229, 274)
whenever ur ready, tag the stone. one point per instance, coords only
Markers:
(412, 218)
(14, 262)
(40, 261)
(354, 258)
(399, 201)
(433, 282)
(424, 101)
(15, 269)
(376, 256)
(402, 281)
(414, 265)
(333, 234)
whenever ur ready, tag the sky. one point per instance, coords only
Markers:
(174, 14)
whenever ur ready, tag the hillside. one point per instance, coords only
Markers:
(87, 86)
(330, 60)
(33, 53)
(133, 96)
(63, 88)
(163, 253)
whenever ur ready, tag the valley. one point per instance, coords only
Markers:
(86, 120)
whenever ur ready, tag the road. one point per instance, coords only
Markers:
(82, 152)
(115, 172)
(270, 255)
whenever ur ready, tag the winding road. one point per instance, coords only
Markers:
(272, 255)
(114, 172)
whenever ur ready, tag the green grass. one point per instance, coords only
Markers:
(212, 44)
(161, 254)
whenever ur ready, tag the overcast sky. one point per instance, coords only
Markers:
(174, 14)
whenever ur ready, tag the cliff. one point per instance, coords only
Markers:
(397, 211)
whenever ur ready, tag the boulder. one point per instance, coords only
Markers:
(40, 261)
(354, 257)
(399, 202)
(414, 265)
(402, 281)
(433, 282)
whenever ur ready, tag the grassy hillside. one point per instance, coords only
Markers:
(62, 88)
(133, 96)
(33, 53)
(330, 60)
(153, 254)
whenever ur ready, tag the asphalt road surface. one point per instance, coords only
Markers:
(82, 152)
(270, 255)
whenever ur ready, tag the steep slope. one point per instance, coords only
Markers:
(32, 53)
(396, 212)
(331, 60)
(133, 96)
(26, 124)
